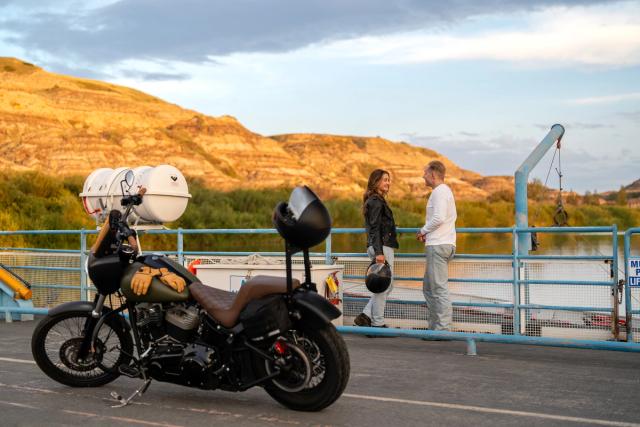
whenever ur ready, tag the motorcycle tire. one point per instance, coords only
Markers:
(322, 391)
(56, 338)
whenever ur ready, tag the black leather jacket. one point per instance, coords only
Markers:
(378, 220)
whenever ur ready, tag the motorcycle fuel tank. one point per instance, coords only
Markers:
(158, 291)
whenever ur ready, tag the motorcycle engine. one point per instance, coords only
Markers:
(198, 366)
(179, 321)
(150, 318)
(182, 322)
(176, 357)
(192, 365)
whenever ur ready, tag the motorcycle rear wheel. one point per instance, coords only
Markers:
(330, 371)
(55, 343)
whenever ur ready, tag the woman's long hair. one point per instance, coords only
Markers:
(372, 186)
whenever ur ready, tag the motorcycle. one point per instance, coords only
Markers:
(274, 333)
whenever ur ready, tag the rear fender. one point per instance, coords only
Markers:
(315, 309)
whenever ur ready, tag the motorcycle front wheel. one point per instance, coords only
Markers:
(329, 371)
(57, 339)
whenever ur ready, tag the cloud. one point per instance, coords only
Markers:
(153, 76)
(577, 125)
(631, 115)
(605, 99)
(589, 126)
(469, 134)
(608, 36)
(104, 32)
(583, 169)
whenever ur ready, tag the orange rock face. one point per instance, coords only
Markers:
(69, 126)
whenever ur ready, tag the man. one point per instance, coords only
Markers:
(439, 237)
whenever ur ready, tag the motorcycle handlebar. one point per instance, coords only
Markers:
(123, 228)
(135, 199)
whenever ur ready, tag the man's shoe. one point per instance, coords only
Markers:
(362, 320)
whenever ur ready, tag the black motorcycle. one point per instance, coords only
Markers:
(275, 332)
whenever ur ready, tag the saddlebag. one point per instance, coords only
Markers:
(265, 318)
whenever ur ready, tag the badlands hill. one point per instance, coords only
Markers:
(68, 126)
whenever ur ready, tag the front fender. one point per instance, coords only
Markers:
(86, 306)
(314, 308)
(71, 306)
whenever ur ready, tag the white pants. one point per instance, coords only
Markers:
(375, 307)
(436, 286)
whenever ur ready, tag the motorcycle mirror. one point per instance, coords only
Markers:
(129, 177)
(128, 180)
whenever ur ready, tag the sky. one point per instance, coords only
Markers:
(481, 82)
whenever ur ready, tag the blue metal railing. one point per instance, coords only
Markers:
(521, 303)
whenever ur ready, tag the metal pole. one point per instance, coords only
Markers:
(84, 291)
(327, 253)
(627, 289)
(614, 277)
(471, 348)
(180, 246)
(521, 178)
(516, 284)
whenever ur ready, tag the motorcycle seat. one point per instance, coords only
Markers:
(225, 306)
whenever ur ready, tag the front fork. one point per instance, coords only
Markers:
(89, 325)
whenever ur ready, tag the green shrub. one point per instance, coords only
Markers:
(34, 201)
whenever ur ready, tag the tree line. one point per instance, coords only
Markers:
(36, 201)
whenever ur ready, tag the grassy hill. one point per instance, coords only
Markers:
(71, 126)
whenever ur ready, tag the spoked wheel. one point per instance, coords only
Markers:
(315, 381)
(56, 342)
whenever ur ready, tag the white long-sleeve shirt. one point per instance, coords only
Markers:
(440, 222)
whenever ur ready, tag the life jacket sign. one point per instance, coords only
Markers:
(633, 271)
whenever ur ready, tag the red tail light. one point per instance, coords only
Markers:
(280, 347)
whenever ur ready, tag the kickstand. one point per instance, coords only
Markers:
(139, 392)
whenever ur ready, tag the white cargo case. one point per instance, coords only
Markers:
(165, 200)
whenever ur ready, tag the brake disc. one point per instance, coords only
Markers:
(69, 355)
(295, 373)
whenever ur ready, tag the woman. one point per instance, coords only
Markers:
(381, 241)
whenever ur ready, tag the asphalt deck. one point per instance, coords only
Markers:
(394, 382)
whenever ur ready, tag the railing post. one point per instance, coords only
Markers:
(614, 277)
(84, 291)
(627, 289)
(516, 283)
(327, 253)
(180, 246)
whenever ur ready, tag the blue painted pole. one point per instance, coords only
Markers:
(516, 284)
(481, 337)
(84, 289)
(180, 246)
(471, 348)
(327, 254)
(521, 179)
(627, 289)
(614, 285)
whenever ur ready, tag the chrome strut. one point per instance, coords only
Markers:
(139, 392)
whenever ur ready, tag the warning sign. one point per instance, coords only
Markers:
(634, 272)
